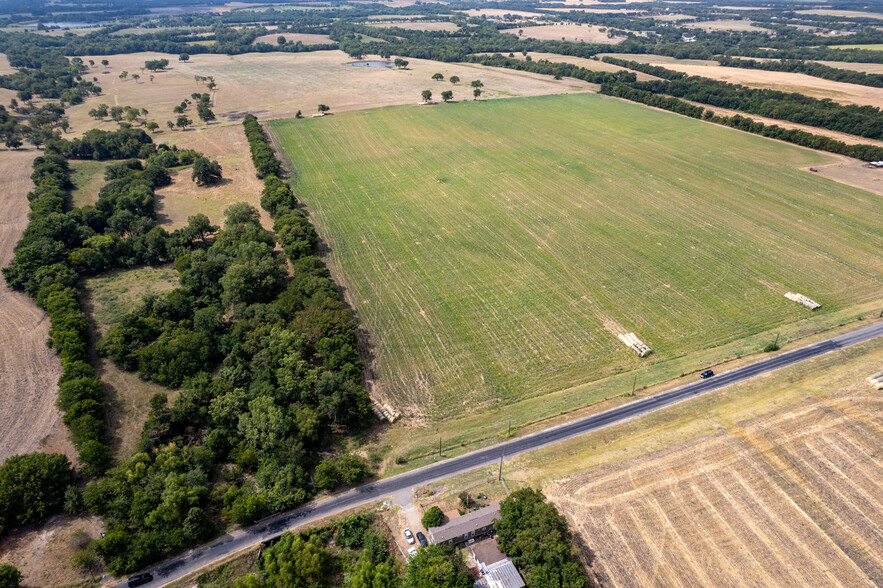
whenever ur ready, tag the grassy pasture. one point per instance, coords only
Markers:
(492, 249)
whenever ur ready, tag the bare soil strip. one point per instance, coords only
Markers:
(29, 370)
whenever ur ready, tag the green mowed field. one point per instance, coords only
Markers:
(493, 249)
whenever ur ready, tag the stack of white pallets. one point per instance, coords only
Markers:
(632, 341)
(876, 380)
(800, 298)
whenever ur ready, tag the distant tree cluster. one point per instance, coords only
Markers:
(46, 73)
(157, 64)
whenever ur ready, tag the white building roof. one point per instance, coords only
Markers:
(502, 574)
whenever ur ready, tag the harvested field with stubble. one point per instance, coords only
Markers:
(29, 370)
(793, 498)
(492, 262)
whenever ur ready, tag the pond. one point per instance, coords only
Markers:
(370, 63)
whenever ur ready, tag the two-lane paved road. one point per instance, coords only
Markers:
(197, 558)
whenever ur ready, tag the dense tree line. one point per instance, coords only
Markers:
(532, 533)
(359, 557)
(811, 68)
(862, 121)
(245, 442)
(796, 136)
(653, 70)
(556, 69)
(261, 153)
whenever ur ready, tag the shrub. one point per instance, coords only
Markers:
(433, 517)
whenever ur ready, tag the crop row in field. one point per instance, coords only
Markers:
(492, 250)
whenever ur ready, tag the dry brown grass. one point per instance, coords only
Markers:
(784, 498)
(277, 85)
(305, 38)
(29, 371)
(184, 198)
(43, 555)
(568, 32)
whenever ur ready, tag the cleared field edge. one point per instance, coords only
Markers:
(29, 370)
(320, 216)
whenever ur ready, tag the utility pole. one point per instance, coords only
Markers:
(635, 383)
(500, 474)
(439, 447)
(509, 432)
(776, 344)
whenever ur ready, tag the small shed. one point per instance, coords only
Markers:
(474, 525)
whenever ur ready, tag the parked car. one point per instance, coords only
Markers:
(706, 374)
(409, 537)
(412, 552)
(140, 580)
(422, 539)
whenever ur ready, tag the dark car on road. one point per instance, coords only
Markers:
(706, 374)
(422, 539)
(140, 580)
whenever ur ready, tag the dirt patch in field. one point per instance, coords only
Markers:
(566, 32)
(29, 370)
(854, 173)
(305, 38)
(792, 497)
(43, 554)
